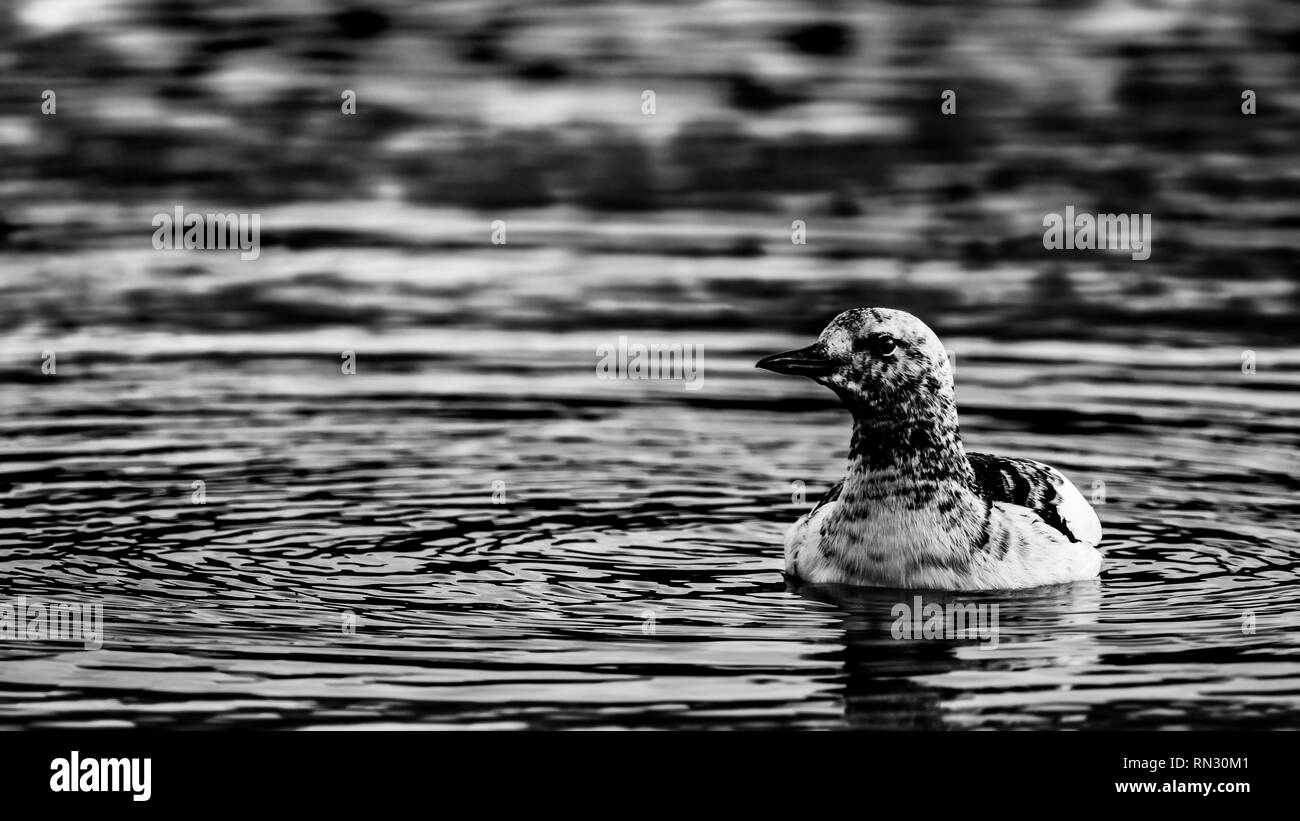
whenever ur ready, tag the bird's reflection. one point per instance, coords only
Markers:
(901, 647)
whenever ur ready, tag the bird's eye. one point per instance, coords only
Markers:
(877, 345)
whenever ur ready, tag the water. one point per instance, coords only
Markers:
(351, 569)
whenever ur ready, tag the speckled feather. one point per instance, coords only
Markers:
(915, 510)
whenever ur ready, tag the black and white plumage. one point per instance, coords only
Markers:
(915, 510)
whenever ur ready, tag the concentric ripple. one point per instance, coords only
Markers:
(473, 530)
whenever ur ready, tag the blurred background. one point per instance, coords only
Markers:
(764, 113)
(521, 544)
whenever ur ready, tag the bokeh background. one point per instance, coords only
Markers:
(765, 113)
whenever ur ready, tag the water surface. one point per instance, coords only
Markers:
(475, 531)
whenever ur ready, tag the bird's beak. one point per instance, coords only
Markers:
(809, 361)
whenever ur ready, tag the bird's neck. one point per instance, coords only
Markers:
(907, 501)
(917, 453)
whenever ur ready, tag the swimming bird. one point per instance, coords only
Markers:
(915, 509)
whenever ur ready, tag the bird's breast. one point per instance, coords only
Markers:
(893, 540)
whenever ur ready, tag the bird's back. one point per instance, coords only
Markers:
(1041, 488)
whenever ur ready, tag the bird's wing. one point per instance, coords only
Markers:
(829, 496)
(805, 533)
(1042, 489)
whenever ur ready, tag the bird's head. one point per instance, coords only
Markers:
(882, 363)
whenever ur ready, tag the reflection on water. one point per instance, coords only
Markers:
(350, 566)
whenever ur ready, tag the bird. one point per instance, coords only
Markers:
(915, 510)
